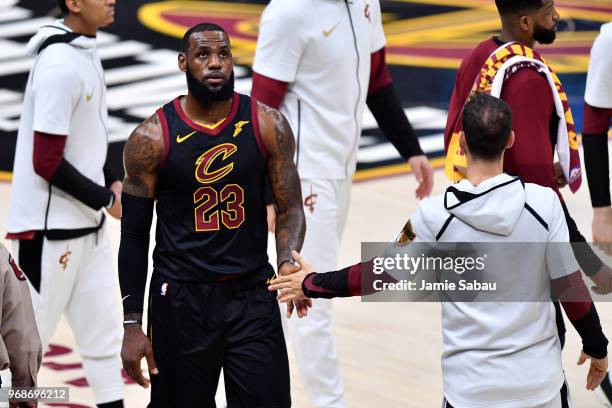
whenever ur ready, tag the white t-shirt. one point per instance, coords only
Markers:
(322, 48)
(599, 78)
(65, 95)
(502, 354)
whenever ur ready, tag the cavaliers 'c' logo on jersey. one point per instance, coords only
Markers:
(218, 153)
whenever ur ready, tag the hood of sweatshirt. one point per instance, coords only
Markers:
(57, 32)
(493, 206)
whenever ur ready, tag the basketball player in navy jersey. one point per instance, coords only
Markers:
(204, 158)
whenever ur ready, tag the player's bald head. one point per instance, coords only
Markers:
(487, 125)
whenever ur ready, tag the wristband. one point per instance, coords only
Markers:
(134, 321)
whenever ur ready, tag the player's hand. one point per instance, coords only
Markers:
(302, 305)
(560, 179)
(597, 370)
(423, 174)
(271, 217)
(603, 280)
(290, 286)
(136, 346)
(602, 228)
(115, 210)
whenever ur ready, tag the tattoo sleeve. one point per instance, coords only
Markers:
(141, 157)
(284, 180)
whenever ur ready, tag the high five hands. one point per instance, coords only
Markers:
(289, 285)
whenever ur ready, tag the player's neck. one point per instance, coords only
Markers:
(79, 26)
(478, 171)
(508, 35)
(206, 113)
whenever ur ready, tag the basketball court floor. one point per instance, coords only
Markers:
(389, 352)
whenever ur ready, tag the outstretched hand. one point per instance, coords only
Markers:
(289, 285)
(286, 271)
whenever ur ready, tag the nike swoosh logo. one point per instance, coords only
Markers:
(327, 33)
(125, 297)
(180, 139)
(88, 97)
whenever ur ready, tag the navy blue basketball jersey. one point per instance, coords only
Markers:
(211, 209)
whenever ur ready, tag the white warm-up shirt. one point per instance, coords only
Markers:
(322, 49)
(599, 78)
(65, 95)
(502, 354)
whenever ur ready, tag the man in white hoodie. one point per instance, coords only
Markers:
(60, 189)
(490, 346)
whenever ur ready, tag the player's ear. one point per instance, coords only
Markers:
(74, 6)
(182, 61)
(525, 23)
(510, 140)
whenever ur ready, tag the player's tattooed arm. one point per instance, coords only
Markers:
(141, 157)
(284, 179)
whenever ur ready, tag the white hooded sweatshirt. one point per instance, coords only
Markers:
(65, 95)
(501, 354)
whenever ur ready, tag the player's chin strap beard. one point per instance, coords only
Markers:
(203, 94)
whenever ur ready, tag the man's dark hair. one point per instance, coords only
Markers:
(63, 6)
(506, 7)
(487, 124)
(197, 29)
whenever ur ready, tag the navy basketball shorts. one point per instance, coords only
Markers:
(196, 328)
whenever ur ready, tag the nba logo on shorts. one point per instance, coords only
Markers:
(164, 289)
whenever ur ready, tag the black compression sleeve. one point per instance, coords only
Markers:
(386, 107)
(70, 180)
(588, 261)
(327, 285)
(110, 175)
(594, 342)
(597, 167)
(136, 219)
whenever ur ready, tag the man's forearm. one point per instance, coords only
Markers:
(597, 168)
(134, 253)
(387, 109)
(68, 179)
(355, 280)
(289, 232)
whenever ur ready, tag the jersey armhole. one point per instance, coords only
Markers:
(258, 138)
(166, 134)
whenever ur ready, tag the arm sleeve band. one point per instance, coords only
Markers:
(576, 300)
(351, 281)
(379, 72)
(47, 153)
(269, 91)
(597, 168)
(386, 107)
(594, 342)
(70, 180)
(136, 220)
